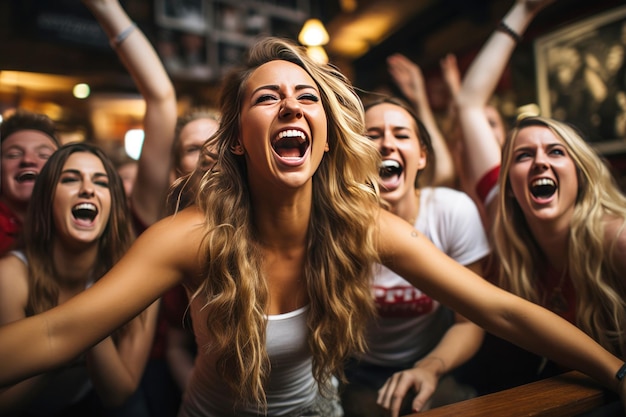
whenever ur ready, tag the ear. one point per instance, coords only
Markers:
(237, 149)
(421, 164)
(326, 147)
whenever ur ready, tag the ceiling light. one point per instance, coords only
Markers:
(317, 54)
(313, 33)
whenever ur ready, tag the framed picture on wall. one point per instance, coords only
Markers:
(581, 78)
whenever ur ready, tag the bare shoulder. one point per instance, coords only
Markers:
(13, 288)
(174, 239)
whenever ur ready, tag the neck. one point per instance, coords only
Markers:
(283, 221)
(408, 207)
(553, 241)
(74, 267)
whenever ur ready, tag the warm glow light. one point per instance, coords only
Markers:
(133, 141)
(81, 90)
(317, 54)
(313, 33)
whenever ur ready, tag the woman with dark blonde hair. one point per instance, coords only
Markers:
(559, 231)
(277, 256)
(77, 228)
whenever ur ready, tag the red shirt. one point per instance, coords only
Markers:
(10, 227)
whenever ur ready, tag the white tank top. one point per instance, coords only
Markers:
(291, 385)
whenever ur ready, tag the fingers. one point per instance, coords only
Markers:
(391, 394)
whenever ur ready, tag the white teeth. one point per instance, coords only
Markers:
(85, 206)
(543, 181)
(390, 163)
(292, 133)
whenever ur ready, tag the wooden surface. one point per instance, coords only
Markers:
(566, 395)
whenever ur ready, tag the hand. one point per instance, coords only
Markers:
(391, 394)
(407, 76)
(451, 73)
(535, 6)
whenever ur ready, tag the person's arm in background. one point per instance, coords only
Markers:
(460, 342)
(145, 67)
(409, 78)
(481, 147)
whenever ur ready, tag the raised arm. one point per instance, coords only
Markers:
(481, 146)
(159, 259)
(409, 78)
(142, 62)
(521, 322)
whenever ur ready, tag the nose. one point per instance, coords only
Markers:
(87, 189)
(388, 143)
(290, 108)
(541, 161)
(29, 159)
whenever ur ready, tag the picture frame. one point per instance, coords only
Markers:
(581, 78)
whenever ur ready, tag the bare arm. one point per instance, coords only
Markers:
(142, 62)
(521, 322)
(116, 369)
(481, 147)
(458, 344)
(159, 259)
(410, 80)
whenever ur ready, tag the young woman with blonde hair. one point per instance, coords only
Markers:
(277, 256)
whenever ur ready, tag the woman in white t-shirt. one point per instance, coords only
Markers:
(415, 341)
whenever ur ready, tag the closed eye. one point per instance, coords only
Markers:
(309, 97)
(264, 98)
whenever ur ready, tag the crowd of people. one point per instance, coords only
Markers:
(306, 251)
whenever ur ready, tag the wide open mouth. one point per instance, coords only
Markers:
(390, 168)
(543, 188)
(291, 144)
(26, 176)
(85, 212)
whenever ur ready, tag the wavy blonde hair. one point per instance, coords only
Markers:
(600, 289)
(341, 248)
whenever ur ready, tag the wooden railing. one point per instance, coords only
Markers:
(566, 395)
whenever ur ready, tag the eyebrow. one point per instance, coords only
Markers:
(276, 87)
(78, 172)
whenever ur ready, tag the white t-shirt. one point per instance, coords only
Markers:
(410, 323)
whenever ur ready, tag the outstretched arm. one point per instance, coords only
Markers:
(481, 147)
(410, 80)
(159, 259)
(142, 62)
(411, 255)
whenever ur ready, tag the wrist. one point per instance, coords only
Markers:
(433, 363)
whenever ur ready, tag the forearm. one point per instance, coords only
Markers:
(544, 333)
(458, 345)
(16, 398)
(135, 51)
(486, 69)
(112, 379)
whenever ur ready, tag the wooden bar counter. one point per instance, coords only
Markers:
(566, 395)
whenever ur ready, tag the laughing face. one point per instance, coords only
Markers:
(82, 200)
(283, 126)
(23, 154)
(394, 132)
(542, 175)
(192, 137)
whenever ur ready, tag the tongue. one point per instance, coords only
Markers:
(286, 152)
(390, 182)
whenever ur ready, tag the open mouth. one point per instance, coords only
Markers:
(390, 168)
(86, 212)
(291, 144)
(26, 176)
(543, 188)
(390, 173)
